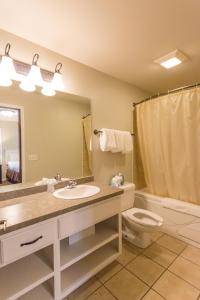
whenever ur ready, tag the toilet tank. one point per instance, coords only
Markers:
(128, 197)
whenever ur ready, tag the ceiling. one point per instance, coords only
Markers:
(119, 37)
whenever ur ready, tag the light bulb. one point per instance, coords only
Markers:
(57, 82)
(35, 75)
(33, 78)
(48, 90)
(8, 113)
(7, 71)
(27, 85)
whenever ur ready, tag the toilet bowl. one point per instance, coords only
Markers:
(137, 224)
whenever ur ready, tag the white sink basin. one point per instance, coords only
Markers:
(77, 192)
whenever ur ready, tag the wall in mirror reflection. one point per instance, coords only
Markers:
(43, 136)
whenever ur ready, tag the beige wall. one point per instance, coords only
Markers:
(111, 100)
(52, 132)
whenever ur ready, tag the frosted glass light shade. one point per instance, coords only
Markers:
(27, 85)
(35, 75)
(7, 71)
(57, 82)
(8, 113)
(48, 90)
(33, 78)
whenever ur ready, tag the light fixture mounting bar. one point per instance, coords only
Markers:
(24, 68)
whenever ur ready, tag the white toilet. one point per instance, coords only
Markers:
(137, 223)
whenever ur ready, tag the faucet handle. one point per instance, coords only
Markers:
(71, 183)
(58, 177)
(74, 183)
(3, 223)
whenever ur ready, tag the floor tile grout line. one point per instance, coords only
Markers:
(94, 290)
(149, 288)
(177, 255)
(155, 292)
(198, 265)
(141, 252)
(143, 280)
(136, 255)
(158, 293)
(155, 242)
(153, 262)
(158, 262)
(186, 244)
(110, 276)
(127, 271)
(184, 280)
(145, 294)
(110, 292)
(171, 250)
(167, 269)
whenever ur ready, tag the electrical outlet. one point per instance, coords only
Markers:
(32, 157)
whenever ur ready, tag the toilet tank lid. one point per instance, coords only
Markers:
(128, 186)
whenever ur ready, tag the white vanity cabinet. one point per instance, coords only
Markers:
(50, 259)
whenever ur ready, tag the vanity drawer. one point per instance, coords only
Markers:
(28, 241)
(81, 219)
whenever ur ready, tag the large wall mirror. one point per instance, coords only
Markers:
(42, 136)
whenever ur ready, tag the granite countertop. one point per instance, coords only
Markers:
(24, 211)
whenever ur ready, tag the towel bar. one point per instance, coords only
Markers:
(96, 131)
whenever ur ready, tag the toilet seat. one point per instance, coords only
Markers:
(143, 217)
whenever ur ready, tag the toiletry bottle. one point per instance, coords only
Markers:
(51, 185)
(122, 178)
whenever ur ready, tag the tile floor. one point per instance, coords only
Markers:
(167, 269)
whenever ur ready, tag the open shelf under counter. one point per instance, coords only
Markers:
(41, 292)
(81, 271)
(70, 254)
(23, 275)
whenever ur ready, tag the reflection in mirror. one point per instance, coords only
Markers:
(10, 146)
(47, 136)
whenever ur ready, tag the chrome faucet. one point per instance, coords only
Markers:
(58, 177)
(71, 184)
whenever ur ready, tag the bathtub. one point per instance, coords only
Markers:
(181, 219)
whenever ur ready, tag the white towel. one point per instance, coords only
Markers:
(107, 140)
(119, 139)
(124, 142)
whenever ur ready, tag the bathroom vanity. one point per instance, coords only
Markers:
(52, 246)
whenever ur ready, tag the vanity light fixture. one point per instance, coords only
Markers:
(47, 89)
(171, 60)
(57, 82)
(7, 69)
(33, 78)
(8, 112)
(30, 76)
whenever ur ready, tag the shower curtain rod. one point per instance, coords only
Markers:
(166, 93)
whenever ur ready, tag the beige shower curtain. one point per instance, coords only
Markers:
(169, 140)
(87, 134)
